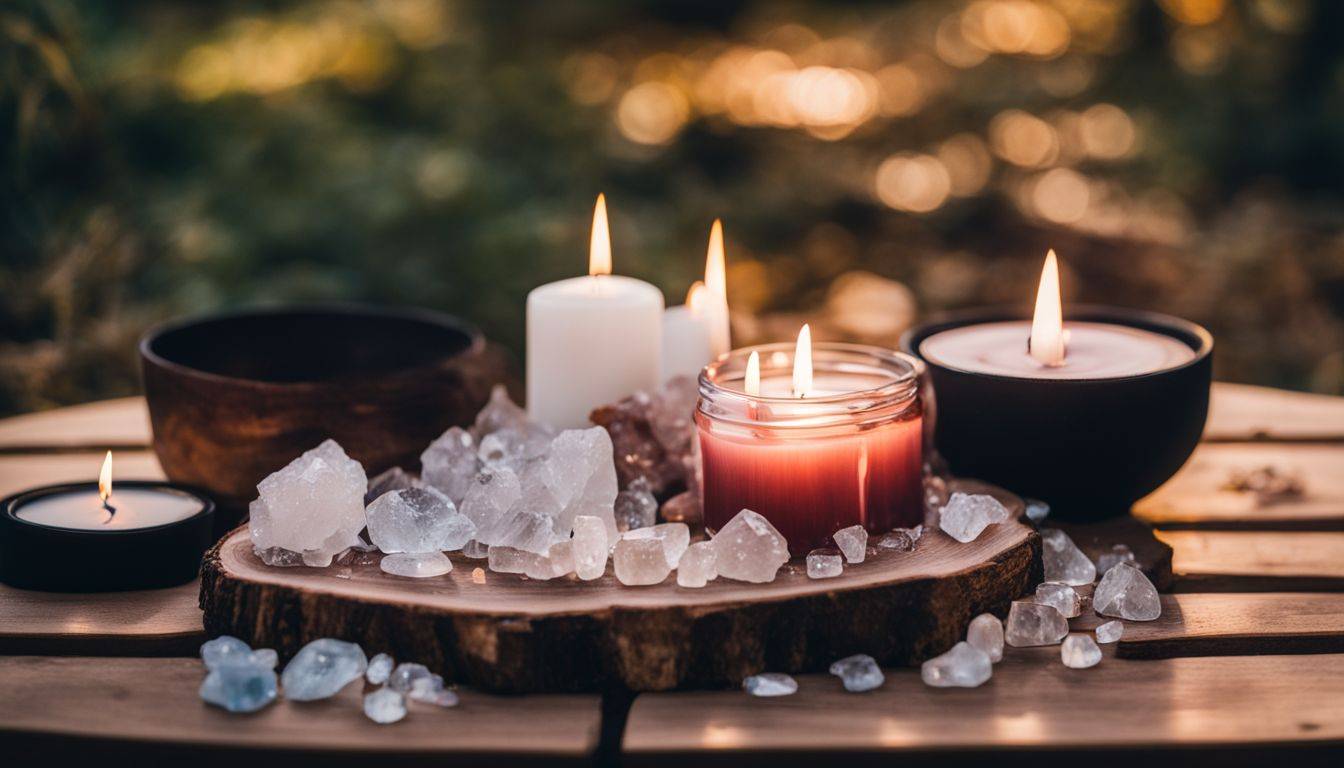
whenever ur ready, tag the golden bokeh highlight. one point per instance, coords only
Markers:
(917, 183)
(1023, 139)
(968, 163)
(652, 113)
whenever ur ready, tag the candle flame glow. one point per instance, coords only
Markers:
(697, 299)
(1046, 343)
(105, 478)
(752, 384)
(716, 279)
(599, 246)
(802, 364)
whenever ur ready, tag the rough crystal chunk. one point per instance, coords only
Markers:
(770, 684)
(635, 508)
(314, 506)
(590, 547)
(1034, 624)
(450, 463)
(749, 549)
(1079, 652)
(557, 562)
(416, 565)
(697, 565)
(901, 539)
(1110, 632)
(1119, 553)
(418, 520)
(1126, 593)
(824, 563)
(380, 667)
(675, 537)
(321, 668)
(239, 687)
(640, 562)
(853, 542)
(858, 673)
(394, 479)
(965, 666)
(986, 633)
(224, 649)
(1064, 561)
(1061, 597)
(275, 556)
(384, 706)
(581, 476)
(509, 560)
(510, 513)
(967, 515)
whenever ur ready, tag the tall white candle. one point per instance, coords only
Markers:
(686, 335)
(716, 304)
(591, 340)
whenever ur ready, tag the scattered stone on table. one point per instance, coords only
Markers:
(476, 550)
(1110, 632)
(239, 687)
(557, 562)
(477, 575)
(640, 562)
(768, 684)
(509, 560)
(853, 543)
(965, 666)
(322, 668)
(224, 649)
(590, 547)
(1037, 510)
(901, 539)
(394, 479)
(1034, 624)
(858, 673)
(1126, 593)
(384, 706)
(380, 668)
(408, 674)
(986, 633)
(418, 520)
(682, 508)
(697, 566)
(967, 515)
(675, 537)
(635, 507)
(825, 563)
(1061, 597)
(1119, 553)
(314, 506)
(416, 565)
(748, 548)
(1079, 652)
(1064, 561)
(450, 463)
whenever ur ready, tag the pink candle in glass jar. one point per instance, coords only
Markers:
(840, 446)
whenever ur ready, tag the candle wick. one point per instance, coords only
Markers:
(111, 512)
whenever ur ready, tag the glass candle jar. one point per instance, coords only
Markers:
(849, 453)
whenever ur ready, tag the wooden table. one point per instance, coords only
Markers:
(1246, 663)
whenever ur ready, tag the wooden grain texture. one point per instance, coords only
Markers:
(1256, 561)
(109, 424)
(1239, 412)
(1198, 496)
(160, 622)
(1033, 702)
(515, 634)
(1206, 624)
(152, 704)
(20, 472)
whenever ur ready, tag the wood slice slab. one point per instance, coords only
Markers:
(514, 634)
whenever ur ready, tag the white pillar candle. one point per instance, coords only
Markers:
(686, 335)
(716, 304)
(591, 340)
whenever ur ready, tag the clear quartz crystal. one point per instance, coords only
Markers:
(1079, 652)
(1062, 597)
(1126, 593)
(580, 473)
(1110, 632)
(1064, 561)
(1034, 624)
(986, 633)
(313, 507)
(384, 706)
(416, 565)
(858, 673)
(748, 548)
(322, 668)
(640, 562)
(380, 667)
(675, 537)
(1118, 553)
(697, 565)
(768, 684)
(450, 463)
(965, 666)
(853, 543)
(590, 547)
(824, 563)
(967, 515)
(418, 520)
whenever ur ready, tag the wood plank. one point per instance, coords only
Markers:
(1199, 495)
(1033, 702)
(149, 706)
(106, 425)
(19, 473)
(161, 622)
(1256, 561)
(1239, 412)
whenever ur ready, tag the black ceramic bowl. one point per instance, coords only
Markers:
(1088, 447)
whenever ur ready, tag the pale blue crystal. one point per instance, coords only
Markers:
(380, 668)
(407, 676)
(858, 673)
(239, 687)
(384, 706)
(770, 684)
(224, 649)
(322, 668)
(265, 657)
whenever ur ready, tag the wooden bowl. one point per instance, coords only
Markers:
(234, 397)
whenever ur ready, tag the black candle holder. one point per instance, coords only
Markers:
(1088, 447)
(54, 559)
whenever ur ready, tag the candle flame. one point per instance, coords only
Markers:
(1047, 323)
(599, 246)
(697, 299)
(105, 478)
(716, 279)
(802, 363)
(752, 385)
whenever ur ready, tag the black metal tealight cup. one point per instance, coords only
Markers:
(60, 559)
(1088, 447)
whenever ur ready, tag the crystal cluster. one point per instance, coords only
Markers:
(652, 434)
(239, 678)
(967, 515)
(311, 510)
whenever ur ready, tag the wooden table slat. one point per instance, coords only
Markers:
(1256, 561)
(1240, 412)
(108, 424)
(161, 622)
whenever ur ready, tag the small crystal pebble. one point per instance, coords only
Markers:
(384, 706)
(697, 567)
(858, 673)
(965, 666)
(770, 684)
(1063, 597)
(853, 543)
(749, 549)
(1119, 553)
(824, 563)
(477, 576)
(380, 667)
(1034, 624)
(1064, 561)
(408, 674)
(675, 537)
(640, 562)
(967, 515)
(476, 550)
(1125, 592)
(239, 687)
(1037, 510)
(635, 509)
(224, 649)
(590, 547)
(1110, 632)
(986, 633)
(1079, 652)
(901, 539)
(416, 566)
(558, 561)
(321, 668)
